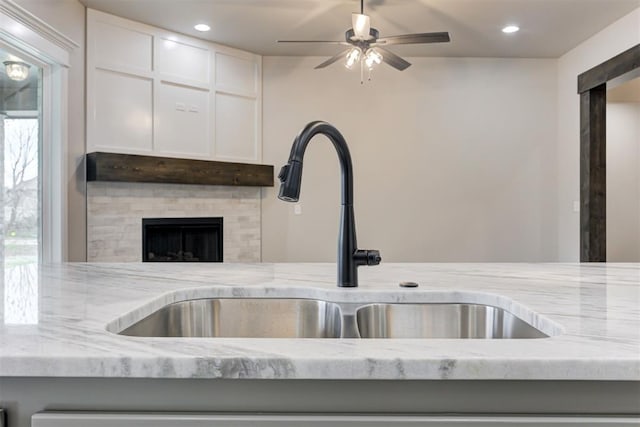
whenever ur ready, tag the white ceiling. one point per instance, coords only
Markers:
(549, 28)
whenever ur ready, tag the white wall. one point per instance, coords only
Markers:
(454, 159)
(142, 99)
(623, 182)
(68, 17)
(618, 37)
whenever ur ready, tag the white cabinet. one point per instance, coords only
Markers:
(96, 419)
(153, 92)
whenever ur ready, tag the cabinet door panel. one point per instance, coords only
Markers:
(246, 420)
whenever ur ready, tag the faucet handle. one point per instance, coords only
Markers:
(283, 173)
(367, 257)
(373, 257)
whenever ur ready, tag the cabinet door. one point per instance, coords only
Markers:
(97, 419)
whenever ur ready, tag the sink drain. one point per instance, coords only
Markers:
(408, 285)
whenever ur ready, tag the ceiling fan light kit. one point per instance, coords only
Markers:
(352, 57)
(366, 45)
(372, 57)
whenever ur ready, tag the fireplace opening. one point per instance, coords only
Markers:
(182, 239)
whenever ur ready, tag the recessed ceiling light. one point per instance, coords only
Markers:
(202, 27)
(511, 29)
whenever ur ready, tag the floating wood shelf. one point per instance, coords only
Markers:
(166, 170)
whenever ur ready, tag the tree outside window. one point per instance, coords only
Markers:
(21, 201)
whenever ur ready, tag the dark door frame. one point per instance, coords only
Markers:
(592, 87)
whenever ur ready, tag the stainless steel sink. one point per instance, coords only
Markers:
(307, 318)
(441, 321)
(242, 317)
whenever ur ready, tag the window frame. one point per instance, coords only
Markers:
(40, 44)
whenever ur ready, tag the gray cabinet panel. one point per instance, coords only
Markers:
(70, 419)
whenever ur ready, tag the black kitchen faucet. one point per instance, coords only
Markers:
(349, 256)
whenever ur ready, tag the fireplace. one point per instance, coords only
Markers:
(182, 239)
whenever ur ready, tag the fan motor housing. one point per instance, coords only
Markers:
(350, 36)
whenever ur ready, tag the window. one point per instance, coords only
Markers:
(20, 101)
(33, 120)
(20, 199)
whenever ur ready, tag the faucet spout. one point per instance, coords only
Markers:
(349, 256)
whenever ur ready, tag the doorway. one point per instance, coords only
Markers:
(592, 87)
(623, 171)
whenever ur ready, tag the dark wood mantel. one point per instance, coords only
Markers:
(166, 170)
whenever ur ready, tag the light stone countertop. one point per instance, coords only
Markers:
(54, 320)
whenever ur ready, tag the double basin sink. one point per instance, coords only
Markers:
(310, 318)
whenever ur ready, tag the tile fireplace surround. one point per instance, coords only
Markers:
(115, 211)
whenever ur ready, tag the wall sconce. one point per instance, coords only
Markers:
(17, 71)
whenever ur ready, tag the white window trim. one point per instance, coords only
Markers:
(49, 49)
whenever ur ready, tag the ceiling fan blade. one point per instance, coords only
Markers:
(333, 59)
(415, 38)
(313, 41)
(394, 60)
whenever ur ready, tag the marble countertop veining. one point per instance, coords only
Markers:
(55, 322)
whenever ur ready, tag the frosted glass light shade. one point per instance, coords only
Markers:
(352, 57)
(372, 57)
(361, 26)
(17, 71)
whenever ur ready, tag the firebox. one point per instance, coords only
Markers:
(182, 239)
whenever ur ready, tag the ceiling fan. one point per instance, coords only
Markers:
(367, 47)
